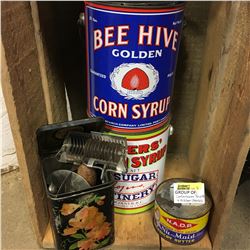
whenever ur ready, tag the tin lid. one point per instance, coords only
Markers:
(50, 137)
(165, 201)
(142, 4)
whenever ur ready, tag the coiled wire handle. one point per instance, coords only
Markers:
(95, 149)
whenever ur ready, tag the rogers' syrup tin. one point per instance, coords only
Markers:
(134, 191)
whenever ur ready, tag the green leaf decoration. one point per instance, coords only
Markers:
(78, 236)
(104, 242)
(100, 198)
(92, 199)
(87, 200)
(73, 246)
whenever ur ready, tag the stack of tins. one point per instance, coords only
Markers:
(132, 51)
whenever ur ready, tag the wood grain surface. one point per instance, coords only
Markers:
(33, 96)
(23, 92)
(220, 139)
(51, 74)
(187, 78)
(65, 50)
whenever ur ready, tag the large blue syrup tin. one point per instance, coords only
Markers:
(131, 60)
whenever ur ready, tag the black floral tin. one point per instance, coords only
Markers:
(80, 219)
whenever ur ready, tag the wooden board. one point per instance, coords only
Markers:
(58, 24)
(51, 73)
(143, 234)
(187, 76)
(221, 139)
(21, 83)
(26, 81)
(137, 231)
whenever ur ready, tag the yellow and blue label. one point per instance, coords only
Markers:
(177, 230)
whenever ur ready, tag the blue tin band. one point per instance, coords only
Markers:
(179, 238)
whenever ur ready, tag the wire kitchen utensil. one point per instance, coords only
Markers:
(96, 150)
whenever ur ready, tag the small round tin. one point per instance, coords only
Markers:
(178, 223)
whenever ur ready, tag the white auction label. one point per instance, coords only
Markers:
(189, 193)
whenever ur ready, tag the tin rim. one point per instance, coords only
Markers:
(140, 5)
(132, 211)
(123, 131)
(207, 195)
(139, 130)
(82, 192)
(131, 134)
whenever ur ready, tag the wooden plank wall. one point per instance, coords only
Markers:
(220, 138)
(24, 98)
(26, 74)
(51, 72)
(58, 24)
(188, 74)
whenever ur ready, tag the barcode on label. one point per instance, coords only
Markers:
(189, 193)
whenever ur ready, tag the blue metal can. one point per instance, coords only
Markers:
(132, 51)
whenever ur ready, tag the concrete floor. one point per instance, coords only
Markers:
(17, 232)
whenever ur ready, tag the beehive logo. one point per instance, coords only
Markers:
(134, 80)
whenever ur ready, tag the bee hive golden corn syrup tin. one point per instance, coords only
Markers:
(146, 154)
(132, 50)
(178, 223)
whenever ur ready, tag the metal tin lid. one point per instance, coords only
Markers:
(142, 4)
(50, 137)
(164, 198)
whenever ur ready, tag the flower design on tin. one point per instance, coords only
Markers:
(86, 244)
(88, 229)
(69, 208)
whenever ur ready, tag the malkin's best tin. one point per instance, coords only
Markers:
(132, 50)
(146, 154)
(178, 223)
